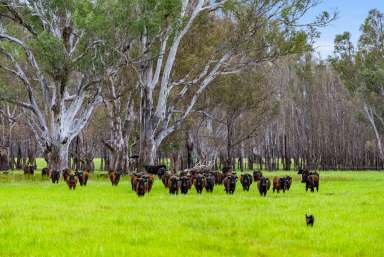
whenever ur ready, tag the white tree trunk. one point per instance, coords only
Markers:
(369, 114)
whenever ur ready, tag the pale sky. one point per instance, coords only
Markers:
(351, 14)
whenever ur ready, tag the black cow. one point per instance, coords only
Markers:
(230, 183)
(185, 184)
(141, 186)
(155, 169)
(55, 176)
(289, 181)
(29, 169)
(209, 182)
(45, 172)
(263, 185)
(199, 183)
(80, 177)
(246, 181)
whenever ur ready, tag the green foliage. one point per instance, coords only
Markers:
(49, 51)
(362, 69)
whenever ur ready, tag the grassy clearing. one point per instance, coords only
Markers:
(38, 218)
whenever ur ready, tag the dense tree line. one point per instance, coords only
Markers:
(227, 82)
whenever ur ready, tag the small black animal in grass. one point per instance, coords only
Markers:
(310, 219)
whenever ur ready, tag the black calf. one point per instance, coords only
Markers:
(310, 219)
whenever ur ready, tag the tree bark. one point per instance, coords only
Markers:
(58, 156)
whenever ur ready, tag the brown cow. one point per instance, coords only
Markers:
(173, 185)
(71, 181)
(280, 184)
(312, 182)
(166, 176)
(85, 176)
(141, 186)
(134, 178)
(230, 183)
(114, 177)
(218, 177)
(149, 180)
(257, 175)
(66, 173)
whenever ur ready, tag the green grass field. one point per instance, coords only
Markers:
(38, 218)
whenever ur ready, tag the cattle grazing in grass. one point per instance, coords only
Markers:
(71, 181)
(257, 175)
(309, 219)
(55, 176)
(141, 183)
(311, 179)
(134, 178)
(155, 169)
(149, 180)
(185, 184)
(280, 184)
(141, 186)
(85, 176)
(246, 181)
(29, 169)
(306, 173)
(80, 177)
(289, 181)
(165, 178)
(114, 177)
(66, 173)
(302, 171)
(230, 183)
(219, 176)
(227, 169)
(199, 183)
(45, 172)
(263, 185)
(312, 182)
(173, 185)
(209, 182)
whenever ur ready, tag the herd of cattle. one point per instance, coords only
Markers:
(201, 178)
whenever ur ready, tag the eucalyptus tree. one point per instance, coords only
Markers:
(241, 103)
(362, 70)
(182, 46)
(52, 51)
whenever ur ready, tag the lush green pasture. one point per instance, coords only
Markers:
(38, 218)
